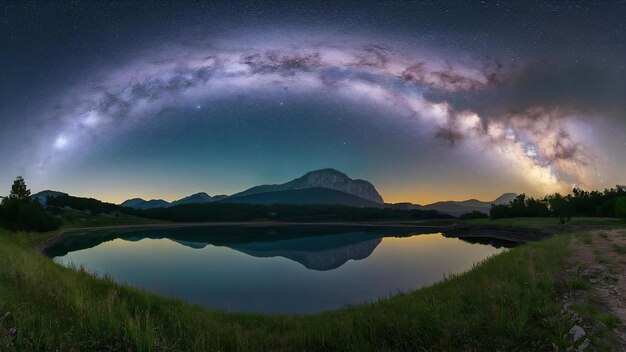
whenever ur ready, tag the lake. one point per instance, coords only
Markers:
(274, 269)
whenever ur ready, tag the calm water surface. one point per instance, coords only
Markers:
(285, 269)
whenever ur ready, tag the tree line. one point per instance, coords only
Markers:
(91, 205)
(19, 212)
(608, 203)
(218, 211)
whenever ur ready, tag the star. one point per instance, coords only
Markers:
(60, 142)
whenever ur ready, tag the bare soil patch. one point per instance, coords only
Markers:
(598, 286)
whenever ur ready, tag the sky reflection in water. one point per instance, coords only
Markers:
(274, 270)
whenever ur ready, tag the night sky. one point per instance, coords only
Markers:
(427, 100)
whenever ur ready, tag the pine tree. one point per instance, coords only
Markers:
(19, 190)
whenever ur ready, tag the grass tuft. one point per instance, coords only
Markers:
(619, 249)
(610, 320)
(584, 237)
(578, 284)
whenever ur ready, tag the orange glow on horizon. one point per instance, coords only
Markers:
(423, 198)
(395, 196)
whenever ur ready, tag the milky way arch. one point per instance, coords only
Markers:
(538, 141)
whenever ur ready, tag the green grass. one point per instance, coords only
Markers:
(601, 258)
(541, 222)
(609, 320)
(609, 279)
(578, 284)
(508, 301)
(619, 249)
(585, 310)
(584, 237)
(589, 312)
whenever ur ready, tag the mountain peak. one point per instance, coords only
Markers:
(326, 171)
(505, 198)
(200, 197)
(324, 178)
(42, 197)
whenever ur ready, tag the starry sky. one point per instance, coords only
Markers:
(442, 100)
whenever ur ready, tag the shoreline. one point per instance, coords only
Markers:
(58, 234)
(453, 229)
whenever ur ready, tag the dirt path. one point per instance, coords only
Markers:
(609, 254)
(599, 260)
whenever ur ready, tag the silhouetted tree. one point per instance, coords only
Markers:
(577, 203)
(561, 207)
(19, 190)
(620, 207)
(473, 215)
(17, 212)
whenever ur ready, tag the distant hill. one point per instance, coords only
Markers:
(139, 203)
(42, 197)
(321, 179)
(131, 203)
(457, 208)
(194, 198)
(91, 205)
(303, 196)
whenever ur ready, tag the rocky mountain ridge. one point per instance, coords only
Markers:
(324, 178)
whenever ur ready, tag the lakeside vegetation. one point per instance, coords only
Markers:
(609, 203)
(508, 301)
(542, 222)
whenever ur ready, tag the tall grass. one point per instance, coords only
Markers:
(506, 302)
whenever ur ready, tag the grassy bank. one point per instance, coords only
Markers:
(508, 301)
(542, 222)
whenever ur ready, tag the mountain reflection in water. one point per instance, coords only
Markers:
(322, 248)
(274, 269)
